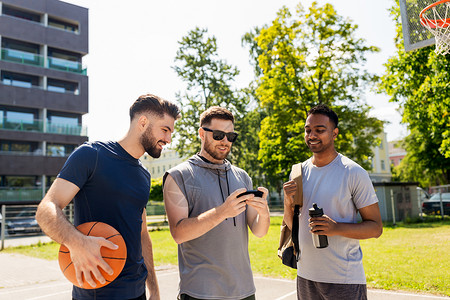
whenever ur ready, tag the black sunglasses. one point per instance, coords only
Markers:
(218, 135)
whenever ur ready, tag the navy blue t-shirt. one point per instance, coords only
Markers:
(114, 189)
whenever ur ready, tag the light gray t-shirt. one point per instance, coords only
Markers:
(340, 188)
(215, 265)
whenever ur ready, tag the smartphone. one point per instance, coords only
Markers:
(254, 192)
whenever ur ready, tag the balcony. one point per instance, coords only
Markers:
(38, 126)
(27, 58)
(66, 65)
(22, 57)
(20, 194)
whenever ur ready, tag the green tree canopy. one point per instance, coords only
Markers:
(303, 60)
(420, 82)
(210, 81)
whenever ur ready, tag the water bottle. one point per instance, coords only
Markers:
(320, 241)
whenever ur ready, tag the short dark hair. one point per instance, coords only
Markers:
(153, 104)
(215, 112)
(323, 109)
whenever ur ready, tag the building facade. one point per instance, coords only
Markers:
(381, 167)
(157, 167)
(43, 92)
(396, 153)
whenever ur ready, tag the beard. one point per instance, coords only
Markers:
(210, 149)
(150, 144)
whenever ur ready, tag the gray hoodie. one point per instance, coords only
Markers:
(215, 265)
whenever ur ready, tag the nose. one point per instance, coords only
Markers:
(168, 138)
(311, 135)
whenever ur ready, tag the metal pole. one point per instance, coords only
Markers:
(2, 230)
(393, 207)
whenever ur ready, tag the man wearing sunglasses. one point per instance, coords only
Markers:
(207, 218)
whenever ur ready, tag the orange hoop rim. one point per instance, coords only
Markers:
(441, 23)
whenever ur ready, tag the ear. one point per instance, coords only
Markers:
(201, 133)
(142, 122)
(335, 132)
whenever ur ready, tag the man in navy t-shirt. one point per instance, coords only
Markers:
(108, 183)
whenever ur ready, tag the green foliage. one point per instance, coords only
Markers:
(419, 82)
(305, 59)
(156, 190)
(209, 81)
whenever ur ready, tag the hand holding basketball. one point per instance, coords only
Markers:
(96, 255)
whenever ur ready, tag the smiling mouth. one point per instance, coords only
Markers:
(314, 142)
(222, 148)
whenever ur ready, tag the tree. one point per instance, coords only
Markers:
(156, 190)
(209, 81)
(303, 60)
(419, 82)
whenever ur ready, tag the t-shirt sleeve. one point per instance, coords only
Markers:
(363, 192)
(80, 165)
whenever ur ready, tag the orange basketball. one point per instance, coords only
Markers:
(115, 258)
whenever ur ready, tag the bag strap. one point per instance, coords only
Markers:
(295, 228)
(296, 175)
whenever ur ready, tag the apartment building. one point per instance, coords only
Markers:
(157, 167)
(381, 167)
(43, 92)
(396, 153)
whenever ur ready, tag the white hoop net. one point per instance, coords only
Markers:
(437, 20)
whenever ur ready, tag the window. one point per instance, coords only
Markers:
(19, 80)
(60, 59)
(21, 52)
(60, 86)
(383, 167)
(64, 25)
(19, 117)
(63, 120)
(17, 146)
(63, 123)
(19, 13)
(59, 149)
(20, 181)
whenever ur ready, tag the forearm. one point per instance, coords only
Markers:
(147, 253)
(54, 223)
(288, 215)
(190, 228)
(364, 230)
(260, 225)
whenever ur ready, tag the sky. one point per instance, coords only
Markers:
(132, 46)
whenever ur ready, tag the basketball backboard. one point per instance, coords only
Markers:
(415, 35)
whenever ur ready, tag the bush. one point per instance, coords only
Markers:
(156, 192)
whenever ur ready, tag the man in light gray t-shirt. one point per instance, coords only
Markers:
(341, 188)
(209, 220)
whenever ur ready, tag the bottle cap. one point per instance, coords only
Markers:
(315, 211)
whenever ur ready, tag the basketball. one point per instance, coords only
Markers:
(114, 258)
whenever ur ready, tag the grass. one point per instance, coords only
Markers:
(412, 257)
(408, 257)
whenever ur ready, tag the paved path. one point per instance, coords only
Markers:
(26, 278)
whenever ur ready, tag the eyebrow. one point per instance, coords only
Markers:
(307, 126)
(167, 127)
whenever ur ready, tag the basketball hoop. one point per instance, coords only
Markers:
(436, 18)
